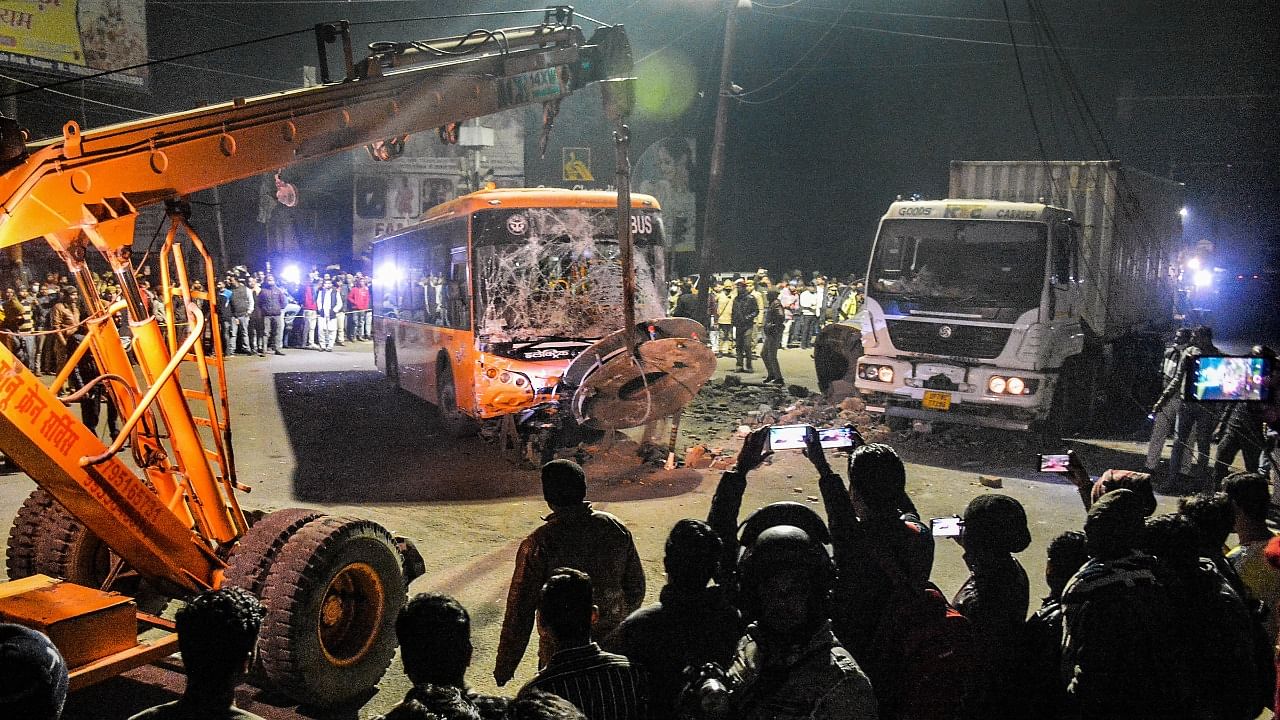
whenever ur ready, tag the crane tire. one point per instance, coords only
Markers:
(252, 555)
(20, 555)
(332, 595)
(66, 549)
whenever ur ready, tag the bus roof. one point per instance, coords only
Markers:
(535, 197)
(970, 210)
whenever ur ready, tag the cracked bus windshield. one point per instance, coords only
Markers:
(557, 273)
(960, 262)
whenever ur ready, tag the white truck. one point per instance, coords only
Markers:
(1034, 300)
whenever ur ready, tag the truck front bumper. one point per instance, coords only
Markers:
(1001, 418)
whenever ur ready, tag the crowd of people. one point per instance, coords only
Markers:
(43, 321)
(1238, 428)
(750, 317)
(786, 615)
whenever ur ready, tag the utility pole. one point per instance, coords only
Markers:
(710, 208)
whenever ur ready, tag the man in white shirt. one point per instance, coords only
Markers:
(329, 312)
(809, 302)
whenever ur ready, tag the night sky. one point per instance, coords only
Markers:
(844, 105)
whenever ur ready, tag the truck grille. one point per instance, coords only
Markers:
(965, 340)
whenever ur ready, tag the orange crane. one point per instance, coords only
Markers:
(106, 533)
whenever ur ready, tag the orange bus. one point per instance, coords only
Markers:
(480, 307)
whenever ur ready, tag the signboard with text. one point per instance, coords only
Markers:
(75, 37)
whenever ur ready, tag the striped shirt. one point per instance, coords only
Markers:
(602, 685)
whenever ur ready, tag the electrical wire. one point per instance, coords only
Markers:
(743, 96)
(1026, 96)
(79, 98)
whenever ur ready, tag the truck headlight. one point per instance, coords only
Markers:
(1015, 386)
(1001, 385)
(885, 373)
(879, 373)
(996, 384)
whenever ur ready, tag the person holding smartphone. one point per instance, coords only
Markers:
(1191, 416)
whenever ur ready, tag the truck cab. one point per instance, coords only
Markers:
(972, 307)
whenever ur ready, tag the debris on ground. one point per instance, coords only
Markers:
(990, 481)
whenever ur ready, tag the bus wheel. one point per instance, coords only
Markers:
(332, 596)
(455, 422)
(391, 364)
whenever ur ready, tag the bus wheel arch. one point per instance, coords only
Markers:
(455, 422)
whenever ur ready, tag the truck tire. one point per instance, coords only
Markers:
(252, 556)
(332, 595)
(20, 555)
(1071, 411)
(66, 549)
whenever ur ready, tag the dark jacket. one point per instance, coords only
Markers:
(687, 306)
(995, 598)
(745, 309)
(774, 319)
(272, 300)
(1045, 693)
(596, 543)
(816, 680)
(683, 628)
(241, 303)
(1119, 653)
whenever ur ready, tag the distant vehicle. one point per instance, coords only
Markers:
(1006, 310)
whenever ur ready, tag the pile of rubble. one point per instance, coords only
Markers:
(732, 408)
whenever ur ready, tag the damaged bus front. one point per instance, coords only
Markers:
(481, 307)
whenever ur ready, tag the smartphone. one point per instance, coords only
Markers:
(791, 437)
(946, 526)
(1055, 463)
(1225, 378)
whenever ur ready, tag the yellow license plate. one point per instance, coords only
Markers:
(936, 400)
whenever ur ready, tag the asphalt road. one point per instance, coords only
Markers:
(325, 431)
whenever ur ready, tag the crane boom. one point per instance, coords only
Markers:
(83, 189)
(67, 182)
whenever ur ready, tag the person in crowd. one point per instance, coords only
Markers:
(724, 319)
(1212, 627)
(757, 329)
(900, 627)
(218, 637)
(604, 686)
(257, 321)
(10, 320)
(240, 307)
(744, 314)
(1162, 427)
(1041, 651)
(328, 314)
(575, 536)
(91, 403)
(1118, 660)
(33, 675)
(358, 301)
(1090, 489)
(774, 322)
(310, 291)
(806, 326)
(26, 341)
(65, 318)
(692, 623)
(789, 297)
(789, 664)
(48, 341)
(1191, 416)
(343, 287)
(540, 705)
(1250, 496)
(995, 599)
(1212, 515)
(1242, 430)
(434, 632)
(687, 304)
(271, 301)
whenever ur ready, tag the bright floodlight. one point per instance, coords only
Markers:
(291, 274)
(388, 274)
(1194, 263)
(1203, 278)
(1183, 212)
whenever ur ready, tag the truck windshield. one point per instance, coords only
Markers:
(960, 262)
(557, 272)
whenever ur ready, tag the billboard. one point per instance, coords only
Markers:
(390, 196)
(75, 37)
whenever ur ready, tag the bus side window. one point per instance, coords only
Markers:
(412, 265)
(459, 294)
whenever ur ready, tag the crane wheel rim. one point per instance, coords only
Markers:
(350, 614)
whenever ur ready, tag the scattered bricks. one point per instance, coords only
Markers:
(697, 457)
(853, 404)
(724, 462)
